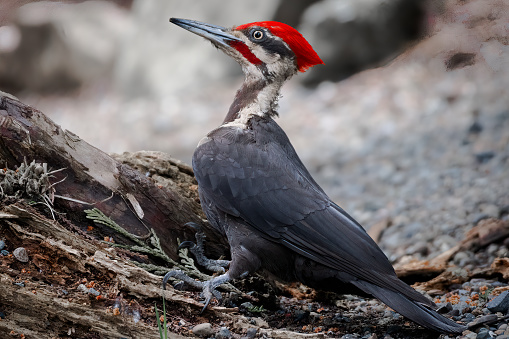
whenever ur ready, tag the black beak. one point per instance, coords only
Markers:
(216, 34)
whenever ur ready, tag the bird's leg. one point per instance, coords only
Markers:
(199, 251)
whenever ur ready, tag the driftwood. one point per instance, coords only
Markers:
(135, 202)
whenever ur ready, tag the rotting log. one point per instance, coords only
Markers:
(134, 201)
(41, 298)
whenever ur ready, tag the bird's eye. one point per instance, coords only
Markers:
(258, 34)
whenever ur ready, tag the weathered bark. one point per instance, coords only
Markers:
(128, 197)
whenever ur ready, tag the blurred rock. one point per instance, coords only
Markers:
(352, 35)
(159, 58)
(8, 7)
(499, 303)
(290, 11)
(203, 330)
(52, 47)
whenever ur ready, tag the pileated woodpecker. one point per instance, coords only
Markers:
(255, 190)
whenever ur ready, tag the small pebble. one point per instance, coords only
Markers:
(251, 332)
(20, 284)
(4, 252)
(468, 317)
(313, 316)
(484, 157)
(446, 308)
(224, 332)
(203, 330)
(21, 254)
(247, 305)
(300, 315)
(82, 288)
(94, 292)
(2, 244)
(483, 334)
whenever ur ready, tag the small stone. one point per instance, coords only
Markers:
(499, 303)
(460, 256)
(251, 332)
(2, 244)
(203, 330)
(468, 317)
(492, 248)
(300, 315)
(247, 305)
(20, 284)
(314, 316)
(454, 313)
(21, 254)
(4, 252)
(82, 288)
(224, 332)
(483, 334)
(475, 128)
(446, 308)
(484, 157)
(94, 291)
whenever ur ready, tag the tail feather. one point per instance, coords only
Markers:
(413, 310)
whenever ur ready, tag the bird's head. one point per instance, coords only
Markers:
(266, 49)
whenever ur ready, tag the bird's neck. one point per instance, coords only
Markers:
(256, 97)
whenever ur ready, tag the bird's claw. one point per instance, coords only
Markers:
(199, 252)
(208, 293)
(193, 225)
(186, 244)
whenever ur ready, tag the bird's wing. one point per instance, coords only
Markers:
(259, 178)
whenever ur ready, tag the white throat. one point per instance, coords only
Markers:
(264, 105)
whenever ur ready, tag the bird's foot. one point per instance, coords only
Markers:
(199, 251)
(209, 288)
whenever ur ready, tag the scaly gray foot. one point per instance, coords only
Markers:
(209, 288)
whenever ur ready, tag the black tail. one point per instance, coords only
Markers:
(416, 311)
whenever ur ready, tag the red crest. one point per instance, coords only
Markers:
(305, 54)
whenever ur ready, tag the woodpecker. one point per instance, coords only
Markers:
(257, 193)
